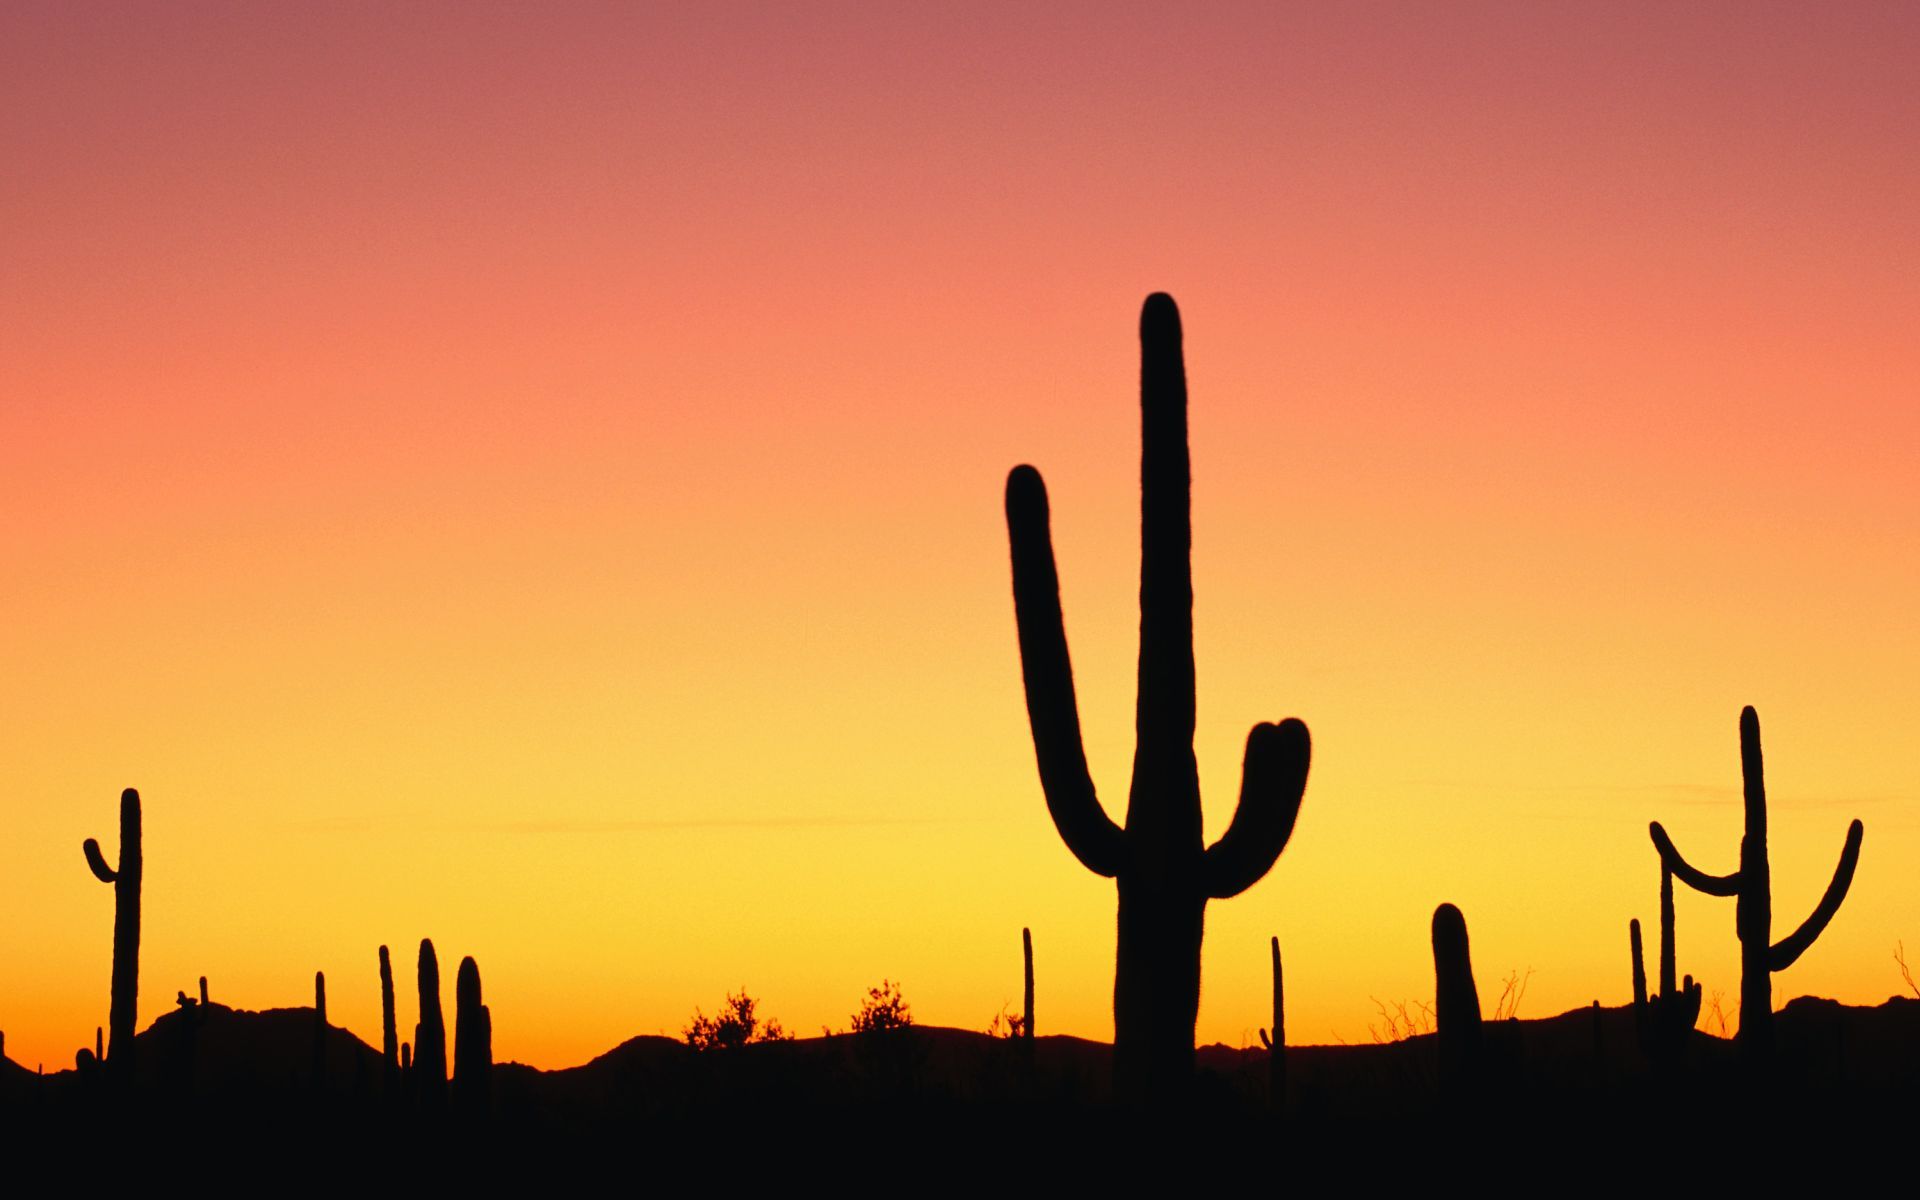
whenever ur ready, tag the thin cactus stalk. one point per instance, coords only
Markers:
(1752, 887)
(1665, 1020)
(1456, 1001)
(430, 1037)
(203, 993)
(125, 878)
(99, 1041)
(1276, 1043)
(472, 1045)
(389, 1029)
(1026, 954)
(1164, 871)
(319, 1028)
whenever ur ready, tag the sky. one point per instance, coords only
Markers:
(531, 477)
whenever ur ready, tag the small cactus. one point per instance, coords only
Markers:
(1663, 1021)
(319, 1028)
(1752, 885)
(125, 878)
(1026, 954)
(1276, 1043)
(1456, 1001)
(1165, 872)
(472, 1045)
(203, 992)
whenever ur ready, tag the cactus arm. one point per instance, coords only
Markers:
(1273, 776)
(1783, 953)
(1693, 877)
(1047, 671)
(101, 871)
(1164, 707)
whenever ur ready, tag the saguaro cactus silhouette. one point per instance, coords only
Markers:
(1752, 886)
(1276, 1043)
(389, 1029)
(1164, 871)
(319, 1028)
(125, 879)
(430, 1037)
(1456, 1000)
(1026, 954)
(1663, 1021)
(472, 1044)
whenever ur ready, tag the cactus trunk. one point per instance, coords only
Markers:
(123, 1009)
(1164, 872)
(1456, 1001)
(472, 1045)
(1026, 954)
(430, 1038)
(389, 1028)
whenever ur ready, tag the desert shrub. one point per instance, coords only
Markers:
(884, 1010)
(735, 1025)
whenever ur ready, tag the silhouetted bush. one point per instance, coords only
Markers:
(884, 1010)
(735, 1025)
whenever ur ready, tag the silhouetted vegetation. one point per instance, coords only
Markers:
(1752, 887)
(125, 879)
(472, 1045)
(737, 1024)
(1165, 872)
(1276, 1041)
(429, 1074)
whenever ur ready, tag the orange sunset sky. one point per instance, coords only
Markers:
(530, 476)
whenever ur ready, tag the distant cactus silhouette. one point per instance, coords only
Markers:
(1456, 1001)
(1165, 872)
(125, 879)
(319, 1028)
(1026, 954)
(1276, 1043)
(1752, 884)
(430, 1038)
(472, 1045)
(389, 1029)
(99, 1042)
(1663, 1021)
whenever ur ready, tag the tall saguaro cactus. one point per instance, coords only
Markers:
(1164, 871)
(1752, 887)
(125, 878)
(430, 1037)
(319, 1028)
(472, 1044)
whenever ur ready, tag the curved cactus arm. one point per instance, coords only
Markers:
(1047, 671)
(1164, 706)
(1265, 1040)
(98, 863)
(1273, 776)
(1783, 953)
(1692, 876)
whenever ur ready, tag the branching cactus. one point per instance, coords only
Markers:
(472, 1045)
(1663, 1021)
(1456, 1001)
(1164, 871)
(430, 1038)
(1276, 1044)
(125, 879)
(389, 1030)
(1752, 887)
